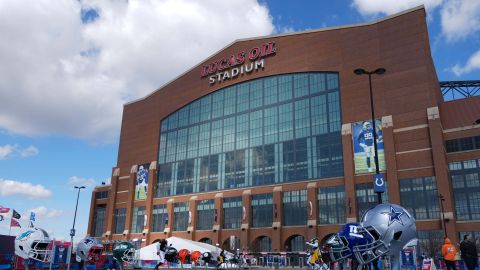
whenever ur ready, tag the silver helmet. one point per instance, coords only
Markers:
(391, 226)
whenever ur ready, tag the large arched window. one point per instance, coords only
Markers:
(276, 129)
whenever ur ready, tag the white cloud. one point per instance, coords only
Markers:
(473, 63)
(376, 7)
(43, 212)
(6, 150)
(460, 18)
(29, 151)
(12, 150)
(74, 78)
(17, 188)
(80, 181)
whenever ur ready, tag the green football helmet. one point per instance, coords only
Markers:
(124, 252)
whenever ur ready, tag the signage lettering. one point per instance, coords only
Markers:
(234, 65)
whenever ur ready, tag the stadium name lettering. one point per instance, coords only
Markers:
(233, 66)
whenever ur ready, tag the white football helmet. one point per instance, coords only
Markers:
(89, 249)
(392, 228)
(34, 243)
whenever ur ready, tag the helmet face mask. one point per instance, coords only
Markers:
(35, 244)
(338, 248)
(341, 244)
(125, 252)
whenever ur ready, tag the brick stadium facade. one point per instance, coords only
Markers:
(424, 141)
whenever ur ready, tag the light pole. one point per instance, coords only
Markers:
(72, 231)
(378, 71)
(440, 196)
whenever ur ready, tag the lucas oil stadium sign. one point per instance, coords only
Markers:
(233, 66)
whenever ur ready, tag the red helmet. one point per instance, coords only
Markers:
(183, 255)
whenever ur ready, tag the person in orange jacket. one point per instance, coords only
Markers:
(448, 253)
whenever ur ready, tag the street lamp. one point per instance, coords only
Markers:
(378, 71)
(442, 199)
(72, 231)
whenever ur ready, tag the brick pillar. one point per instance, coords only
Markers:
(312, 210)
(192, 217)
(390, 160)
(152, 181)
(169, 227)
(111, 204)
(91, 215)
(131, 188)
(246, 216)
(277, 219)
(441, 171)
(218, 224)
(348, 172)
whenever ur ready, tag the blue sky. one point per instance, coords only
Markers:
(68, 67)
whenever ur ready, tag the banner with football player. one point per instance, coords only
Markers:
(141, 183)
(363, 147)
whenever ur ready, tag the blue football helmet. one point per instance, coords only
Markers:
(392, 228)
(341, 244)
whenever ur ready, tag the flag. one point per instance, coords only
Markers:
(4, 210)
(16, 215)
(32, 216)
(14, 223)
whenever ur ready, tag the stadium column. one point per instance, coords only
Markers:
(128, 213)
(111, 203)
(192, 216)
(169, 227)
(441, 171)
(218, 222)
(246, 208)
(91, 214)
(348, 172)
(152, 181)
(312, 210)
(390, 160)
(277, 219)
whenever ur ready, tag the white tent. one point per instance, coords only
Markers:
(150, 252)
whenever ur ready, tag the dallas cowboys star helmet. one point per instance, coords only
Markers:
(341, 244)
(89, 249)
(34, 243)
(124, 252)
(391, 227)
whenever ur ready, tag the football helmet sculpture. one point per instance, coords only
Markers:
(89, 249)
(207, 257)
(391, 227)
(171, 254)
(341, 244)
(34, 243)
(124, 252)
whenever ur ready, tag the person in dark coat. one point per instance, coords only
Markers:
(469, 252)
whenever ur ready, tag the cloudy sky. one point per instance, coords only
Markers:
(67, 67)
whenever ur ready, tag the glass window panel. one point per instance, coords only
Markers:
(419, 196)
(232, 212)
(119, 219)
(331, 205)
(205, 214)
(465, 177)
(300, 85)
(99, 220)
(180, 216)
(159, 217)
(138, 219)
(295, 208)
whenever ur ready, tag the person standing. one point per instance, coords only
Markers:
(448, 253)
(469, 252)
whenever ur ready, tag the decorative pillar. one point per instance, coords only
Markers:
(169, 226)
(152, 181)
(192, 217)
(348, 172)
(111, 204)
(246, 215)
(218, 222)
(277, 219)
(390, 160)
(441, 171)
(312, 210)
